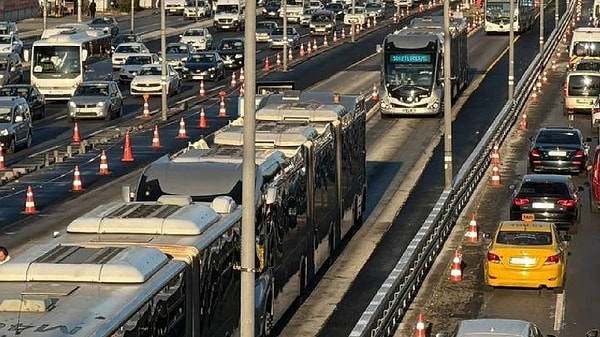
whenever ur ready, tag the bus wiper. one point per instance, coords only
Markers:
(409, 85)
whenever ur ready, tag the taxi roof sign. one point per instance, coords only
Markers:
(527, 217)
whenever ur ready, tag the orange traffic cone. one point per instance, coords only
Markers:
(456, 271)
(334, 36)
(343, 33)
(375, 94)
(242, 77)
(76, 139)
(242, 90)
(495, 156)
(233, 81)
(290, 56)
(155, 138)
(523, 122)
(203, 124)
(278, 61)
(325, 43)
(182, 134)
(77, 187)
(314, 46)
(29, 202)
(103, 164)
(420, 330)
(146, 113)
(545, 77)
(472, 234)
(127, 151)
(495, 175)
(1, 158)
(267, 67)
(202, 91)
(222, 110)
(534, 94)
(308, 48)
(553, 65)
(302, 50)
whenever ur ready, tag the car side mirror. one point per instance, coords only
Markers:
(487, 236)
(18, 119)
(13, 69)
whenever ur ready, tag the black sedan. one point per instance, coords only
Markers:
(206, 65)
(36, 100)
(548, 197)
(272, 9)
(122, 38)
(336, 8)
(558, 149)
(106, 23)
(231, 50)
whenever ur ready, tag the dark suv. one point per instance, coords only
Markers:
(11, 69)
(548, 197)
(558, 149)
(15, 123)
(231, 50)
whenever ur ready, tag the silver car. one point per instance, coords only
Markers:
(199, 38)
(177, 54)
(263, 29)
(133, 65)
(203, 9)
(276, 38)
(123, 51)
(96, 99)
(147, 82)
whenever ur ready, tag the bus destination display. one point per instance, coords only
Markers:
(410, 58)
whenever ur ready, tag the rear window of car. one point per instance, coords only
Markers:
(584, 85)
(543, 189)
(521, 238)
(558, 138)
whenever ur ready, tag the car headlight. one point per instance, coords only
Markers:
(264, 10)
(72, 105)
(328, 25)
(312, 26)
(186, 69)
(238, 56)
(6, 48)
(100, 104)
(211, 69)
(4, 132)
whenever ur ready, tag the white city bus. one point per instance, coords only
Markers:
(497, 16)
(58, 62)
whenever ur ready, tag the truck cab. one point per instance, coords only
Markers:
(229, 15)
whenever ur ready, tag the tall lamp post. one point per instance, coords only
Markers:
(132, 16)
(285, 36)
(79, 4)
(555, 14)
(45, 14)
(163, 63)
(511, 51)
(447, 100)
(247, 268)
(542, 26)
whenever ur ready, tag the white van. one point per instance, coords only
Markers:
(580, 90)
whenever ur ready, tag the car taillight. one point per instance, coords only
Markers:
(553, 259)
(579, 153)
(565, 90)
(595, 174)
(535, 153)
(493, 258)
(596, 110)
(520, 201)
(566, 202)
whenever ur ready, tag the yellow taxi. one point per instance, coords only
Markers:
(526, 254)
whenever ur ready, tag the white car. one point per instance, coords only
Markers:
(199, 38)
(359, 17)
(133, 65)
(11, 44)
(190, 13)
(147, 82)
(124, 50)
(314, 4)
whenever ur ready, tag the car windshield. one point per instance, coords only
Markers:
(192, 3)
(521, 238)
(279, 31)
(265, 25)
(101, 21)
(542, 189)
(150, 71)
(194, 32)
(5, 39)
(558, 138)
(125, 38)
(14, 91)
(179, 49)
(372, 5)
(91, 90)
(231, 45)
(202, 58)
(138, 60)
(320, 18)
(128, 49)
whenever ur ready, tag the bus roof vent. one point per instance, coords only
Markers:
(25, 305)
(310, 111)
(291, 95)
(83, 264)
(223, 204)
(269, 134)
(147, 218)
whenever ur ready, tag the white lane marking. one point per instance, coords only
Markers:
(43, 151)
(559, 312)
(60, 117)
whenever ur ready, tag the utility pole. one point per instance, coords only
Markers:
(132, 16)
(197, 12)
(511, 50)
(447, 99)
(163, 62)
(555, 14)
(247, 317)
(79, 4)
(285, 36)
(352, 26)
(542, 26)
(45, 14)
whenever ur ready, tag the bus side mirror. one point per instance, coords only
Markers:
(26, 55)
(378, 48)
(271, 196)
(84, 54)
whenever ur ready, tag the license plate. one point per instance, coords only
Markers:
(172, 10)
(225, 26)
(523, 261)
(408, 110)
(320, 29)
(557, 153)
(544, 205)
(584, 101)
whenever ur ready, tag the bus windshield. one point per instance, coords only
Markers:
(51, 60)
(586, 49)
(498, 11)
(409, 69)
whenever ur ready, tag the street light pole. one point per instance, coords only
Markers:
(248, 254)
(285, 36)
(447, 99)
(163, 63)
(45, 14)
(511, 50)
(78, 10)
(353, 32)
(555, 14)
(542, 26)
(132, 16)
(197, 12)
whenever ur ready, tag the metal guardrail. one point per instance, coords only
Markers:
(388, 306)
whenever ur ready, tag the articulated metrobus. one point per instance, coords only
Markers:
(58, 63)
(497, 16)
